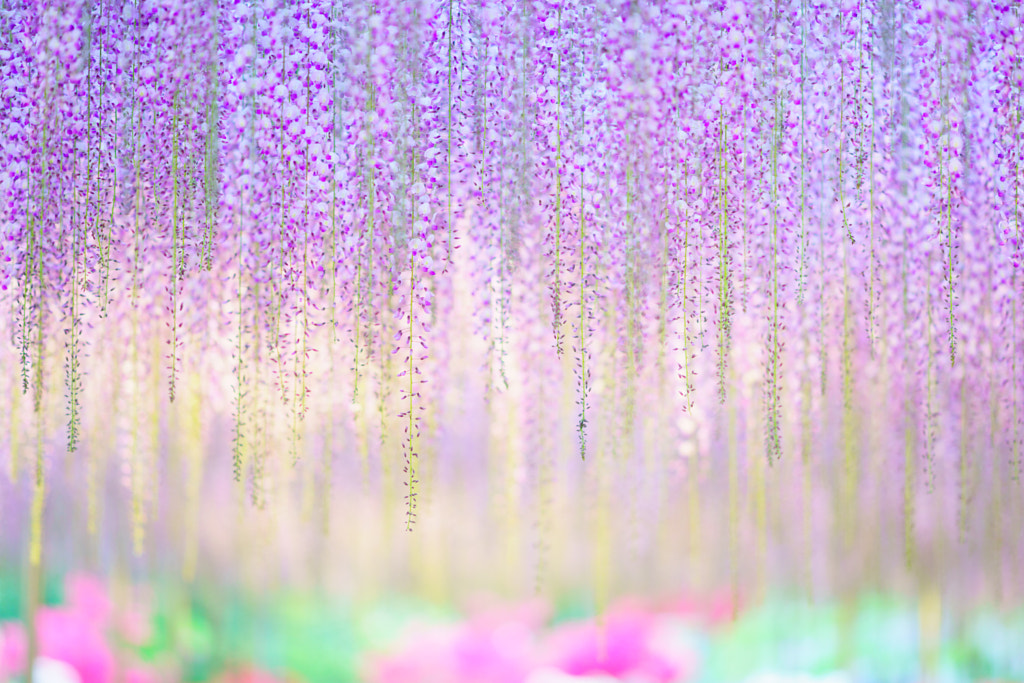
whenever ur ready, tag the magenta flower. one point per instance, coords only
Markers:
(620, 644)
(77, 634)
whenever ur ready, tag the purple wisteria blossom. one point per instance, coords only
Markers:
(731, 288)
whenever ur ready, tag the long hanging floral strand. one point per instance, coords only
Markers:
(235, 211)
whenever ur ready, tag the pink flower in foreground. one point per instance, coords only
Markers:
(249, 675)
(471, 653)
(66, 636)
(623, 646)
(75, 634)
(495, 645)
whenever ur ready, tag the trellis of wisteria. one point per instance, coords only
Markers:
(754, 265)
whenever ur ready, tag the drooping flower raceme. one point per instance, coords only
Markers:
(518, 264)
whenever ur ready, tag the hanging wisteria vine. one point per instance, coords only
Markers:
(574, 254)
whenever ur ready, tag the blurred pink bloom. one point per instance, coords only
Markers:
(506, 645)
(497, 644)
(249, 674)
(76, 634)
(620, 646)
(140, 674)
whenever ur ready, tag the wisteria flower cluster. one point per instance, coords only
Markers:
(740, 278)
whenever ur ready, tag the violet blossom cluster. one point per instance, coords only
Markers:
(751, 264)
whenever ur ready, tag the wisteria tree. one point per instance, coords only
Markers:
(733, 287)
